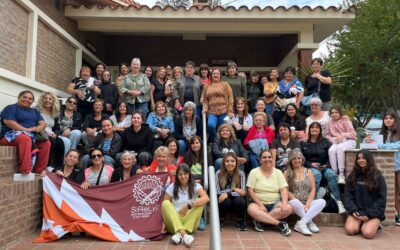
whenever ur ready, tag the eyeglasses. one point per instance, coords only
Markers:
(71, 102)
(96, 156)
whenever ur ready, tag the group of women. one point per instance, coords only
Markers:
(288, 157)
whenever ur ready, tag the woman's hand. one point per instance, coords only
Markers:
(60, 173)
(241, 160)
(43, 173)
(241, 192)
(52, 135)
(66, 132)
(153, 106)
(109, 107)
(231, 114)
(245, 127)
(237, 125)
(80, 94)
(205, 111)
(306, 206)
(184, 210)
(368, 139)
(222, 197)
(85, 185)
(339, 139)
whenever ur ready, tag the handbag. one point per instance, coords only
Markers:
(306, 100)
(258, 145)
(42, 136)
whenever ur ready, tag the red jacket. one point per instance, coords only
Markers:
(170, 167)
(253, 132)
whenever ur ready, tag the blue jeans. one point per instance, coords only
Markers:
(213, 122)
(254, 160)
(330, 178)
(143, 107)
(183, 146)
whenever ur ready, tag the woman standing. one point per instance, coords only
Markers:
(187, 126)
(315, 151)
(49, 108)
(226, 142)
(302, 193)
(391, 140)
(319, 82)
(365, 197)
(340, 132)
(205, 75)
(135, 88)
(129, 167)
(68, 123)
(290, 90)
(231, 190)
(267, 189)
(148, 71)
(259, 138)
(157, 88)
(183, 205)
(236, 82)
(254, 90)
(242, 121)
(99, 173)
(218, 103)
(297, 122)
(122, 118)
(20, 125)
(270, 90)
(109, 93)
(92, 123)
(84, 88)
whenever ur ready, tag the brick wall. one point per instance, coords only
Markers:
(20, 202)
(384, 161)
(14, 36)
(56, 12)
(55, 59)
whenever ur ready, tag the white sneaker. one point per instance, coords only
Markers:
(176, 238)
(302, 228)
(341, 179)
(187, 240)
(313, 227)
(341, 208)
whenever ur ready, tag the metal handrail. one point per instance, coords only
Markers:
(209, 184)
(215, 233)
(205, 153)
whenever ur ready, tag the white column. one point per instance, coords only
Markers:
(78, 61)
(32, 45)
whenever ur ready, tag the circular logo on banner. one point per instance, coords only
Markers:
(147, 190)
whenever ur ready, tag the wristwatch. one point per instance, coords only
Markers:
(189, 205)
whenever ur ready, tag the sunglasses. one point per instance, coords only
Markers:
(96, 156)
(71, 102)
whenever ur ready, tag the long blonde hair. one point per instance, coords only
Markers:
(55, 110)
(291, 175)
(223, 174)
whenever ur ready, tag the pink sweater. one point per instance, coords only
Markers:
(343, 127)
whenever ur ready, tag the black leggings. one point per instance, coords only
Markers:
(235, 203)
(56, 152)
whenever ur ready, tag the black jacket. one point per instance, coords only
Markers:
(178, 133)
(141, 141)
(90, 122)
(109, 94)
(77, 175)
(366, 203)
(219, 145)
(316, 152)
(118, 173)
(98, 142)
(76, 121)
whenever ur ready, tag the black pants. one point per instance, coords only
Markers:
(237, 204)
(56, 152)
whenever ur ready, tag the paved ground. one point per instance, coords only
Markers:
(329, 238)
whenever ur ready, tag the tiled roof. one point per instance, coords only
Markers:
(233, 5)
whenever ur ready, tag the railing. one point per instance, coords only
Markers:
(209, 184)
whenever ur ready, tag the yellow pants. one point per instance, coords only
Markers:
(174, 221)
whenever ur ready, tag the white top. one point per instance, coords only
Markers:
(127, 122)
(248, 120)
(323, 121)
(49, 122)
(183, 195)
